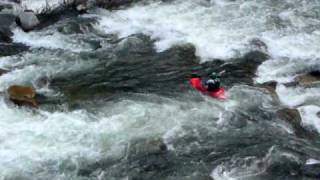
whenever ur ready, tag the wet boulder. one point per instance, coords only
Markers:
(3, 71)
(271, 88)
(9, 49)
(81, 6)
(27, 20)
(293, 117)
(143, 147)
(308, 79)
(109, 4)
(7, 21)
(258, 44)
(22, 95)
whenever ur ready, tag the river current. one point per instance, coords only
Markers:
(119, 105)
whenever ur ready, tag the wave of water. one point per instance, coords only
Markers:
(223, 29)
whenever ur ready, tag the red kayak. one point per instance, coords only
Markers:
(196, 83)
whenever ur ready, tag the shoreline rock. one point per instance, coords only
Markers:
(22, 95)
(27, 20)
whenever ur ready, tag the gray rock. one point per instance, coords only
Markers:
(28, 20)
(7, 21)
(144, 147)
(8, 49)
(258, 44)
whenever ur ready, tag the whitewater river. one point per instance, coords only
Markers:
(119, 106)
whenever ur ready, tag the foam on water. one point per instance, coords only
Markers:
(50, 39)
(312, 161)
(222, 29)
(296, 96)
(284, 70)
(310, 116)
(251, 167)
(40, 5)
(52, 144)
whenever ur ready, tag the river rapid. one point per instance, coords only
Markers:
(119, 105)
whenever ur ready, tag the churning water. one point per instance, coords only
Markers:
(119, 83)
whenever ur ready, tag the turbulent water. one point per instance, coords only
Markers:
(118, 92)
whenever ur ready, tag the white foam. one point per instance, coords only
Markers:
(309, 116)
(284, 70)
(221, 29)
(312, 161)
(295, 96)
(40, 5)
(32, 141)
(49, 39)
(250, 167)
(27, 68)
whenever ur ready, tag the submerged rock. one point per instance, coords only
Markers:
(22, 95)
(28, 20)
(311, 171)
(145, 147)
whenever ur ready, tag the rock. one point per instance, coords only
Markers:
(308, 79)
(271, 88)
(81, 6)
(3, 71)
(292, 116)
(9, 49)
(7, 21)
(144, 147)
(257, 44)
(27, 20)
(109, 4)
(22, 95)
(311, 171)
(318, 114)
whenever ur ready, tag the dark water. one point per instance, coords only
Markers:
(120, 109)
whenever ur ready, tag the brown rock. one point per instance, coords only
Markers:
(271, 88)
(309, 78)
(292, 116)
(22, 95)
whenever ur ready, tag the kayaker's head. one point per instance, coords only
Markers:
(214, 75)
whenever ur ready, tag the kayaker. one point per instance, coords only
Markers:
(212, 83)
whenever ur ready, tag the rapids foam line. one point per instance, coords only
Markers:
(222, 29)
